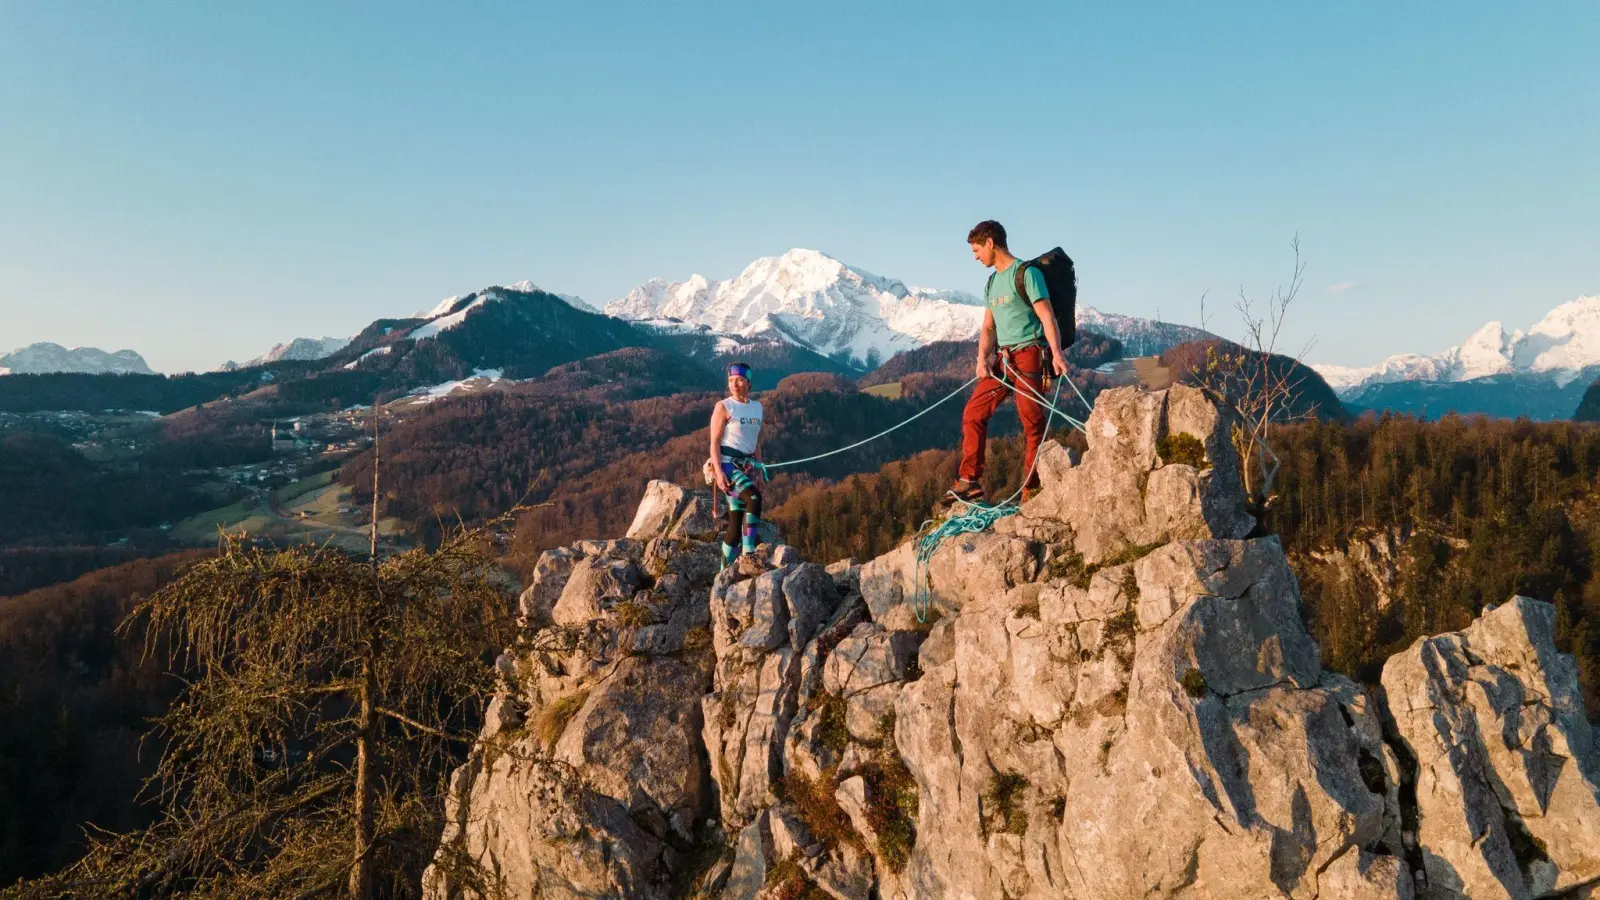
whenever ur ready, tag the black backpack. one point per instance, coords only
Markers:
(1061, 283)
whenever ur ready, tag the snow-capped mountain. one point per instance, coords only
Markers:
(813, 300)
(305, 349)
(1560, 347)
(1140, 337)
(299, 349)
(450, 304)
(45, 357)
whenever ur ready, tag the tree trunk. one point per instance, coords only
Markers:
(361, 868)
(375, 450)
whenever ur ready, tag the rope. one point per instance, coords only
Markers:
(795, 462)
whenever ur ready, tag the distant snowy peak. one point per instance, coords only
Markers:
(449, 304)
(959, 297)
(528, 287)
(1562, 345)
(304, 349)
(44, 358)
(451, 313)
(814, 300)
(1139, 337)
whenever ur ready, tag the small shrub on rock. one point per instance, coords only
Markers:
(1182, 449)
(816, 805)
(831, 728)
(1194, 683)
(787, 881)
(1004, 804)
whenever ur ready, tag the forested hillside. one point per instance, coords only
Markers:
(75, 700)
(52, 490)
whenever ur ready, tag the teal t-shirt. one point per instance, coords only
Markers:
(1015, 322)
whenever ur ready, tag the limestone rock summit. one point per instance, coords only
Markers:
(1111, 694)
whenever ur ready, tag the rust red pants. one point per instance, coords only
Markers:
(1028, 362)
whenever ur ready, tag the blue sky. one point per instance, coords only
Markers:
(199, 180)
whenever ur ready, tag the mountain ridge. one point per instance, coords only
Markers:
(1558, 348)
(44, 358)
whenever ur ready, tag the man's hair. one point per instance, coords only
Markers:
(986, 230)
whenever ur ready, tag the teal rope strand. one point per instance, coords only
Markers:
(795, 462)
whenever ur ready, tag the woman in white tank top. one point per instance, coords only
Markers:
(735, 445)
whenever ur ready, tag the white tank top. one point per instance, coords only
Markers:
(744, 424)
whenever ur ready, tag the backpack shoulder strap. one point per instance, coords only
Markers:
(1022, 282)
(987, 285)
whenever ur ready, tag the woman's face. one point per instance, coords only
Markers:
(738, 385)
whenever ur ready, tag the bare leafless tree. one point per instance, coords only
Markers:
(1259, 382)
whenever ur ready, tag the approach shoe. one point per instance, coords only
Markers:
(964, 491)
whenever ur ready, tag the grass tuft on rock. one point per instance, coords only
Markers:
(1130, 585)
(697, 639)
(553, 719)
(1194, 683)
(1121, 626)
(633, 614)
(1071, 567)
(728, 709)
(1128, 554)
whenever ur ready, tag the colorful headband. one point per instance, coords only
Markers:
(740, 369)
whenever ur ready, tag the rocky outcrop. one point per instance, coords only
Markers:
(1508, 781)
(1110, 695)
(589, 779)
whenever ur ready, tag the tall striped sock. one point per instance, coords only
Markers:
(751, 528)
(729, 551)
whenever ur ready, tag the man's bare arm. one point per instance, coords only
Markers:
(1052, 333)
(986, 344)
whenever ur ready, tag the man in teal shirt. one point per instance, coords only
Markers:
(1023, 327)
